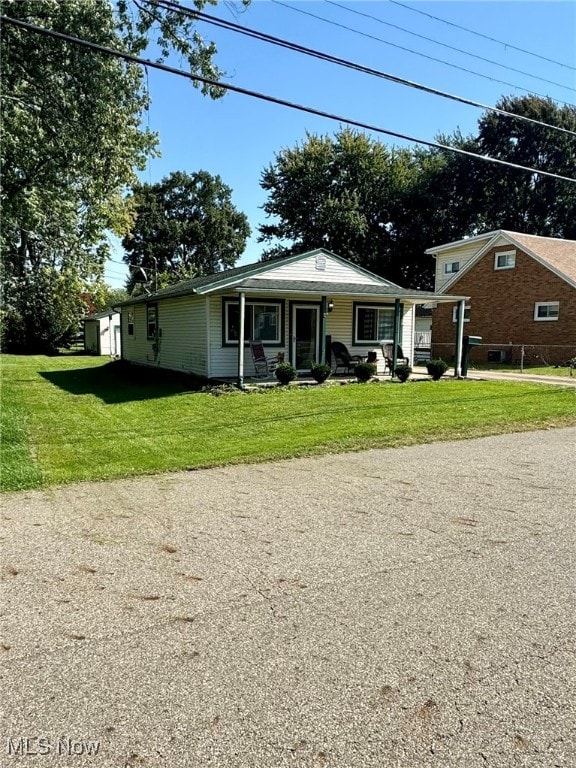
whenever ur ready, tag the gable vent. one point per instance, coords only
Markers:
(320, 263)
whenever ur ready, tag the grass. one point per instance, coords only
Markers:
(542, 370)
(77, 418)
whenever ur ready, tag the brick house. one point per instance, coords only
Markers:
(522, 291)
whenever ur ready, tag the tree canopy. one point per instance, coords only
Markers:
(382, 208)
(185, 226)
(72, 143)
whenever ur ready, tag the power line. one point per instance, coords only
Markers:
(297, 48)
(446, 45)
(479, 34)
(275, 99)
(416, 53)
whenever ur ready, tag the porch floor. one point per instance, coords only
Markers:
(418, 373)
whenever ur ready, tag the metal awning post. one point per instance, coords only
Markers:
(459, 338)
(323, 313)
(396, 334)
(242, 297)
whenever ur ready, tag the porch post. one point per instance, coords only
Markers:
(396, 335)
(459, 338)
(242, 297)
(323, 311)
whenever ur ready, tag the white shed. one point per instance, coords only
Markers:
(102, 334)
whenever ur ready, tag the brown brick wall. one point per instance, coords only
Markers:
(502, 308)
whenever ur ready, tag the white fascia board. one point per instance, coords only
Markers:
(447, 246)
(476, 258)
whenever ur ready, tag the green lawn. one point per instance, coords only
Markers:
(77, 418)
(542, 370)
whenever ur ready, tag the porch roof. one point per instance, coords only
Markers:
(359, 290)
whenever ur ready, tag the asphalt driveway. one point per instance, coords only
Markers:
(393, 608)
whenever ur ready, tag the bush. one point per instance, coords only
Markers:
(285, 373)
(364, 372)
(320, 372)
(436, 368)
(402, 372)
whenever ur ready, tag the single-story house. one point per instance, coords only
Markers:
(522, 291)
(102, 334)
(295, 305)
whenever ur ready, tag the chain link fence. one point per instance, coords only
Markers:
(518, 355)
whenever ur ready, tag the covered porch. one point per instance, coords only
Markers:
(362, 317)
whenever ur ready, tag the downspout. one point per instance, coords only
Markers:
(119, 309)
(459, 338)
(242, 297)
(396, 334)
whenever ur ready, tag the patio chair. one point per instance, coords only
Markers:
(264, 367)
(343, 358)
(388, 353)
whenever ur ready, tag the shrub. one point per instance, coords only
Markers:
(402, 372)
(436, 368)
(285, 373)
(320, 372)
(364, 372)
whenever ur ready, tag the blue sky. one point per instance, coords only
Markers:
(237, 136)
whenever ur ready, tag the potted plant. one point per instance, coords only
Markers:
(364, 372)
(285, 373)
(402, 372)
(436, 368)
(320, 372)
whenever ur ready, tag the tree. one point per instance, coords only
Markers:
(340, 193)
(382, 208)
(72, 140)
(185, 226)
(506, 198)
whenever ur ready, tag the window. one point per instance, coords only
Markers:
(373, 324)
(505, 260)
(451, 267)
(152, 320)
(262, 321)
(130, 323)
(466, 314)
(546, 310)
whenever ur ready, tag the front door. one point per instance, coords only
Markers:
(305, 335)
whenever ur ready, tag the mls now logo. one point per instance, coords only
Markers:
(42, 745)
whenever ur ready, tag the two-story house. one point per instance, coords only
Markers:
(522, 291)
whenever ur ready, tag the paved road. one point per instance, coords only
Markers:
(393, 608)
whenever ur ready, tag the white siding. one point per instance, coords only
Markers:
(306, 269)
(99, 335)
(182, 336)
(224, 360)
(462, 253)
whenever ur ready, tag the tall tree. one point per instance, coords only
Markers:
(185, 226)
(72, 143)
(512, 199)
(339, 193)
(382, 208)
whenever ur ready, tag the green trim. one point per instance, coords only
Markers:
(371, 304)
(305, 303)
(226, 300)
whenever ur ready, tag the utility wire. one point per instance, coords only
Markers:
(416, 53)
(297, 48)
(446, 45)
(479, 34)
(274, 99)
